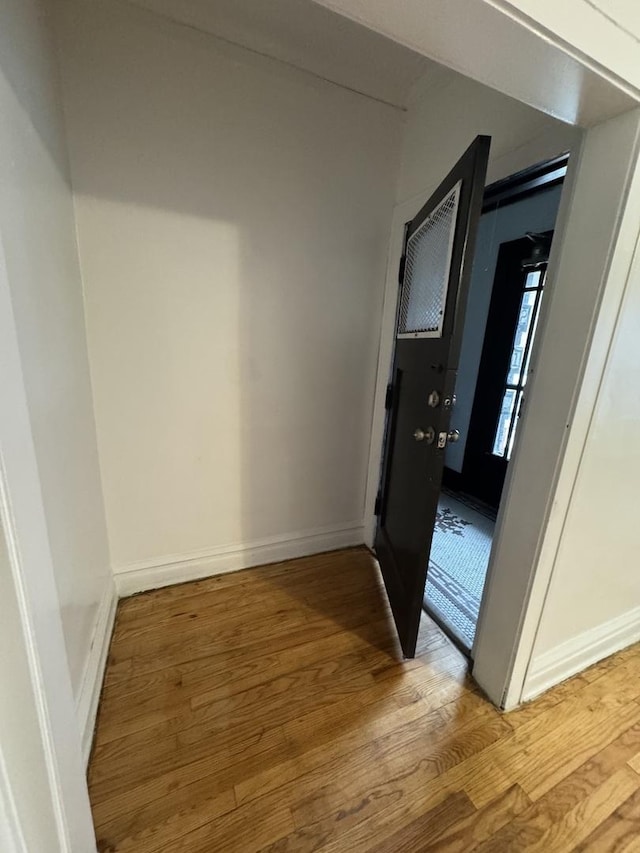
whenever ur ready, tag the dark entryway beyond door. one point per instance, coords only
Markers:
(506, 295)
(511, 326)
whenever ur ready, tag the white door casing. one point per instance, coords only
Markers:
(37, 613)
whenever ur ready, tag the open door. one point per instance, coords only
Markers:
(434, 275)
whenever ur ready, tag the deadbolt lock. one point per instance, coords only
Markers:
(433, 399)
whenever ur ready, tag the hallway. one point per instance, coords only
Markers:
(460, 551)
(269, 710)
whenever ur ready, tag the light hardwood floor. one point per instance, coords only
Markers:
(271, 710)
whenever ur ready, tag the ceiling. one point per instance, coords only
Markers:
(547, 62)
(311, 37)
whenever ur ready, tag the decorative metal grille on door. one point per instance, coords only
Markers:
(426, 273)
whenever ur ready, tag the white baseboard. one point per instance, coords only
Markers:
(152, 574)
(92, 677)
(577, 654)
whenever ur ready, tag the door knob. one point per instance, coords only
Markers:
(453, 436)
(427, 435)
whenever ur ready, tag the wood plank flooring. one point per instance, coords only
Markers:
(271, 710)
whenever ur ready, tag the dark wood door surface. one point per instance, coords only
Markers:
(435, 274)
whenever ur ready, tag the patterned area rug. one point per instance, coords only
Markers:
(460, 552)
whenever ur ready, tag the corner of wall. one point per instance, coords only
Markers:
(575, 655)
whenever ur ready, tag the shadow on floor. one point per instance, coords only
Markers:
(344, 588)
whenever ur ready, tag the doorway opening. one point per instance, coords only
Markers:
(506, 293)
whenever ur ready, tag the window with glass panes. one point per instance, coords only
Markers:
(519, 362)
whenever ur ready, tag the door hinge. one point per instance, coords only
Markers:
(403, 263)
(388, 397)
(378, 504)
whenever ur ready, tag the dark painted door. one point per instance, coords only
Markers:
(435, 273)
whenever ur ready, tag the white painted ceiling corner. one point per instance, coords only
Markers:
(310, 37)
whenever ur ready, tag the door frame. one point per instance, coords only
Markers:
(35, 611)
(603, 170)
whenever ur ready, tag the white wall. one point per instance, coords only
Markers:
(38, 233)
(233, 220)
(444, 118)
(592, 602)
(537, 213)
(596, 583)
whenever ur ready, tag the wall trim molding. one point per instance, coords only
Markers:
(11, 835)
(575, 655)
(568, 48)
(178, 568)
(94, 668)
